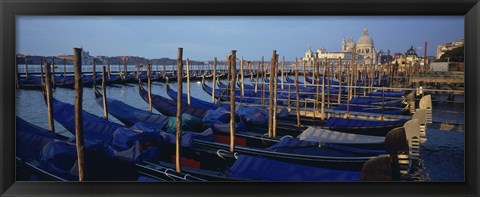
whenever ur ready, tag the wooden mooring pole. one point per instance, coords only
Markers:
(41, 71)
(64, 69)
(241, 78)
(297, 101)
(26, 67)
(304, 74)
(109, 69)
(179, 110)
(283, 69)
(104, 93)
(271, 92)
(274, 78)
(262, 97)
(149, 81)
(340, 79)
(48, 91)
(322, 107)
(94, 74)
(53, 72)
(233, 69)
(256, 81)
(77, 68)
(214, 78)
(188, 82)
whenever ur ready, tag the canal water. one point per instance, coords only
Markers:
(442, 156)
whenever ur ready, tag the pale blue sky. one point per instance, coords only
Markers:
(204, 37)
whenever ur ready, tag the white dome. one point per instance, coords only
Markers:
(365, 40)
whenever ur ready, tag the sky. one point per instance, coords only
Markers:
(205, 37)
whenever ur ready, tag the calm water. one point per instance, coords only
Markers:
(442, 156)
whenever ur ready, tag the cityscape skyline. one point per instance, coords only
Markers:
(205, 37)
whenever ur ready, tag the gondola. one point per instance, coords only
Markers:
(167, 107)
(281, 146)
(215, 164)
(350, 125)
(45, 156)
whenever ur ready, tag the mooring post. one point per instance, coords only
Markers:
(41, 71)
(241, 78)
(64, 69)
(77, 67)
(188, 81)
(178, 140)
(297, 92)
(355, 79)
(149, 81)
(283, 68)
(109, 69)
(119, 71)
(214, 78)
(263, 84)
(364, 79)
(137, 67)
(125, 68)
(275, 84)
(340, 79)
(304, 74)
(329, 83)
(256, 81)
(348, 66)
(383, 102)
(104, 94)
(48, 91)
(26, 67)
(315, 71)
(251, 71)
(233, 69)
(322, 107)
(164, 73)
(316, 83)
(53, 72)
(271, 92)
(94, 73)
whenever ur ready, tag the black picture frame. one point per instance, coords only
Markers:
(9, 9)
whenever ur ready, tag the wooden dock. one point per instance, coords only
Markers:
(444, 77)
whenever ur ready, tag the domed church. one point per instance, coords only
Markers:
(366, 48)
(364, 51)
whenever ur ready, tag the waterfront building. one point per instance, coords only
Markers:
(409, 59)
(441, 49)
(363, 50)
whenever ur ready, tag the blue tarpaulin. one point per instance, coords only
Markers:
(259, 168)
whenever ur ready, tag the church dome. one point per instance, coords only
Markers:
(365, 40)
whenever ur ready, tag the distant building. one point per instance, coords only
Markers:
(364, 51)
(441, 49)
(440, 66)
(409, 59)
(86, 58)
